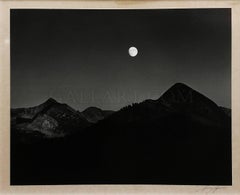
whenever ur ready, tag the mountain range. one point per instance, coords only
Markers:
(54, 119)
(182, 137)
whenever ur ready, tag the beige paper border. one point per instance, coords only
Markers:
(5, 188)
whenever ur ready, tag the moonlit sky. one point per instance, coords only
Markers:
(80, 57)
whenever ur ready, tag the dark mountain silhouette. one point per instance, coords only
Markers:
(94, 114)
(184, 99)
(181, 138)
(178, 100)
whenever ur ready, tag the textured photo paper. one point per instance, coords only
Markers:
(121, 96)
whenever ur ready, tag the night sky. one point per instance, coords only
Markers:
(80, 57)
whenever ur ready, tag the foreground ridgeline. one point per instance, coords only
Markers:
(181, 138)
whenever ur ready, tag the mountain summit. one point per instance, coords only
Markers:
(50, 101)
(180, 93)
(184, 99)
(51, 119)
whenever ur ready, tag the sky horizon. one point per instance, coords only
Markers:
(109, 96)
(80, 57)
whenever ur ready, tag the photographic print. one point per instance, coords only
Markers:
(121, 96)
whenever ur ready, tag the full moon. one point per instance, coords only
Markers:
(132, 51)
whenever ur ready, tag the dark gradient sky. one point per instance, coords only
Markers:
(80, 57)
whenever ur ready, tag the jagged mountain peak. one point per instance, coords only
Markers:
(180, 86)
(51, 118)
(50, 101)
(183, 88)
(182, 93)
(184, 99)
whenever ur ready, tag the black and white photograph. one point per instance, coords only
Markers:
(120, 96)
